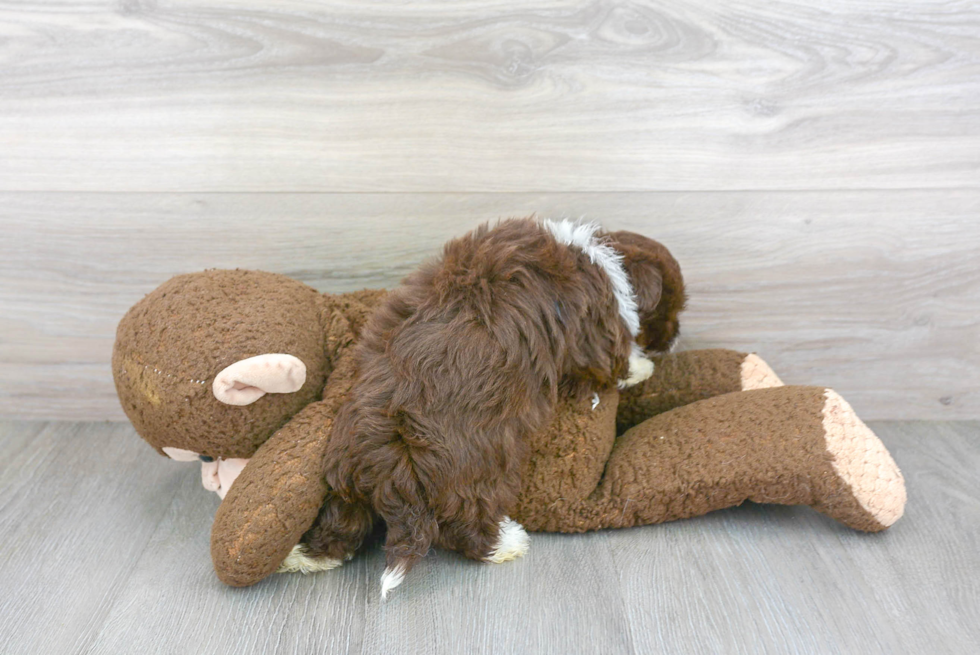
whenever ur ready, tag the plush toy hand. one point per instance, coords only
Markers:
(681, 378)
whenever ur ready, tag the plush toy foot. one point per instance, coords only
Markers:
(785, 445)
(299, 561)
(682, 378)
(871, 483)
(512, 542)
(754, 373)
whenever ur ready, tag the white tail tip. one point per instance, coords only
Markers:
(390, 579)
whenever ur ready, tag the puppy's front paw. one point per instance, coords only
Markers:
(641, 368)
(300, 561)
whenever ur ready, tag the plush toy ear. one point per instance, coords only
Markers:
(247, 380)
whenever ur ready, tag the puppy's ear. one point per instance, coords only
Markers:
(659, 287)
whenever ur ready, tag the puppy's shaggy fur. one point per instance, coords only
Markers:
(461, 362)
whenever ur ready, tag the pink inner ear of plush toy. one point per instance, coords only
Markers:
(247, 380)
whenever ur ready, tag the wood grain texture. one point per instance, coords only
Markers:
(872, 293)
(238, 95)
(78, 503)
(106, 550)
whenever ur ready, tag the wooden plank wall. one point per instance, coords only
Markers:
(815, 169)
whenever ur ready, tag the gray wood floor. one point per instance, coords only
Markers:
(105, 550)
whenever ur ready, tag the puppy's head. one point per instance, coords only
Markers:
(659, 288)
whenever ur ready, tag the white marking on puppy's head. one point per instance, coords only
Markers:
(247, 380)
(603, 255)
(610, 260)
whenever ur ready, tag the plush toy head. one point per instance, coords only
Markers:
(211, 364)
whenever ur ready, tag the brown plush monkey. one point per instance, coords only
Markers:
(245, 367)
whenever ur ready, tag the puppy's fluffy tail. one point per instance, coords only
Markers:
(400, 500)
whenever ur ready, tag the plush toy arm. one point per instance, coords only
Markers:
(273, 501)
(685, 377)
(786, 445)
(279, 498)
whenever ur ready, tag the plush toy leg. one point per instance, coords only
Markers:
(685, 377)
(786, 445)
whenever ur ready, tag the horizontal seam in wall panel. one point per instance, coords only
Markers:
(489, 193)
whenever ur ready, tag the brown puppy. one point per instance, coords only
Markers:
(467, 357)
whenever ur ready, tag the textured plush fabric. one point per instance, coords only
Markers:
(862, 461)
(278, 495)
(274, 500)
(566, 461)
(168, 350)
(766, 445)
(679, 379)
